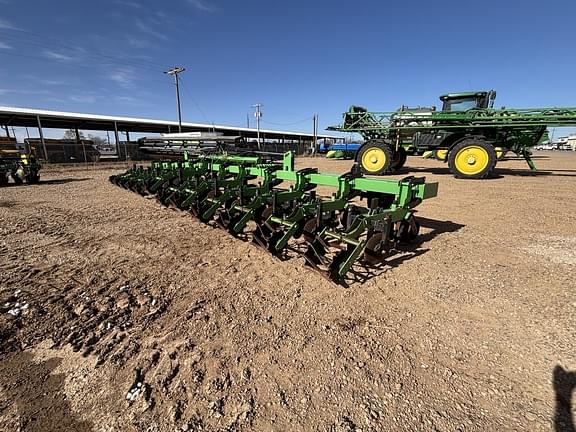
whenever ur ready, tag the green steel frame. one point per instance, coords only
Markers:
(235, 190)
(514, 130)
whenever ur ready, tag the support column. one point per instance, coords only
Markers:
(118, 141)
(79, 141)
(127, 143)
(42, 138)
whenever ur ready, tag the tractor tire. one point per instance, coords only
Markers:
(17, 179)
(399, 159)
(375, 157)
(440, 154)
(500, 152)
(33, 178)
(472, 158)
(3, 179)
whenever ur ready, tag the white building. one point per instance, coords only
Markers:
(564, 143)
(572, 142)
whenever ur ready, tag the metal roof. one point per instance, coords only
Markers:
(28, 117)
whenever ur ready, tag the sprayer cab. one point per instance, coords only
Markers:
(467, 101)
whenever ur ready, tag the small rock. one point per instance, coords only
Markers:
(217, 408)
(246, 374)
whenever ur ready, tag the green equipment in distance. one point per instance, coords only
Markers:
(468, 133)
(21, 166)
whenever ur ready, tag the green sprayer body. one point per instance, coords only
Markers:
(465, 118)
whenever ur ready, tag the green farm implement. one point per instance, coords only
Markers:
(277, 204)
(17, 164)
(469, 134)
(21, 168)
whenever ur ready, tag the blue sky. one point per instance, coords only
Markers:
(296, 57)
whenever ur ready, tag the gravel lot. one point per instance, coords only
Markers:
(118, 314)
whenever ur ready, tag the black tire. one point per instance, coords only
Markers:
(409, 230)
(478, 145)
(17, 180)
(33, 178)
(399, 159)
(440, 154)
(376, 249)
(383, 156)
(502, 152)
(3, 179)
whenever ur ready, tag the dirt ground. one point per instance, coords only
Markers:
(119, 315)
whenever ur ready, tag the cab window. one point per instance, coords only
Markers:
(459, 104)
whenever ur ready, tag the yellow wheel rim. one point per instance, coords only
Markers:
(499, 152)
(373, 159)
(472, 160)
(441, 154)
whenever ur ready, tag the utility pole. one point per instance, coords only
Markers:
(258, 115)
(175, 71)
(315, 135)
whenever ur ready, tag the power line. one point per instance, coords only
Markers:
(44, 59)
(78, 53)
(289, 124)
(66, 64)
(189, 93)
(92, 54)
(62, 44)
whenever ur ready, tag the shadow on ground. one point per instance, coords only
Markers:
(63, 181)
(48, 182)
(363, 271)
(34, 396)
(564, 385)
